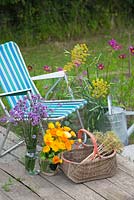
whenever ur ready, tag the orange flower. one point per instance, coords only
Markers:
(46, 149)
(56, 160)
(48, 139)
(56, 140)
(68, 145)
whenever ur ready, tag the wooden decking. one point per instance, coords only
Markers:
(16, 184)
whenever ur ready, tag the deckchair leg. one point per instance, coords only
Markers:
(3, 143)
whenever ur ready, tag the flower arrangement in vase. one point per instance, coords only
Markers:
(57, 139)
(28, 114)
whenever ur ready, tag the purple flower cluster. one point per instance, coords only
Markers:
(114, 44)
(29, 110)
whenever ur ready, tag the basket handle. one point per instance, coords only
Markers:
(93, 139)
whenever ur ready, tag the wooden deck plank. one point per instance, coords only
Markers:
(126, 165)
(39, 185)
(77, 191)
(14, 187)
(124, 181)
(118, 187)
(4, 196)
(67, 186)
(63, 183)
(108, 190)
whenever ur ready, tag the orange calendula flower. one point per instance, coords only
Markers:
(66, 128)
(55, 146)
(59, 133)
(57, 124)
(67, 134)
(73, 133)
(56, 160)
(46, 149)
(56, 140)
(68, 145)
(51, 125)
(48, 139)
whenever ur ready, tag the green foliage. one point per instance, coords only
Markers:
(31, 22)
(7, 185)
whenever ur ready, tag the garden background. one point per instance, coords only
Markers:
(44, 29)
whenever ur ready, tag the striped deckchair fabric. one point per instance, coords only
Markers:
(15, 81)
(13, 72)
(15, 76)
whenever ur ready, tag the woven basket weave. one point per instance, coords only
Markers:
(80, 167)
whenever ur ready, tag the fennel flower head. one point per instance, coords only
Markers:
(99, 88)
(78, 56)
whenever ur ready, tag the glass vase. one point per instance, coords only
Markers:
(30, 161)
(47, 168)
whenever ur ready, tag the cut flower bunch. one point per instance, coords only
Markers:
(28, 114)
(57, 139)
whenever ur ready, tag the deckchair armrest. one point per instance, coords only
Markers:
(18, 92)
(59, 74)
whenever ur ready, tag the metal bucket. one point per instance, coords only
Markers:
(116, 121)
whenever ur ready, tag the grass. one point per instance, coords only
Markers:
(52, 53)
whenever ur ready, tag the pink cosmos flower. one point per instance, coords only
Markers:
(59, 69)
(100, 66)
(114, 44)
(122, 56)
(131, 48)
(47, 68)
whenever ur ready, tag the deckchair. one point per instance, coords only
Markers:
(15, 81)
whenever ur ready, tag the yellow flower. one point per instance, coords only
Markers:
(100, 88)
(58, 124)
(46, 149)
(66, 128)
(56, 140)
(51, 125)
(48, 140)
(59, 133)
(68, 66)
(67, 134)
(55, 146)
(79, 53)
(73, 133)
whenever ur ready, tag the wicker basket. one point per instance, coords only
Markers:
(79, 166)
